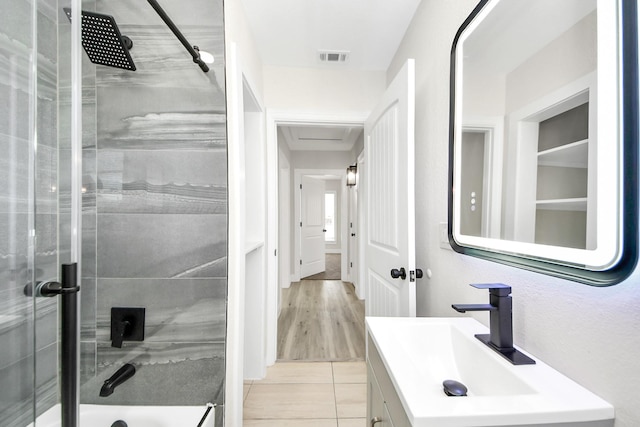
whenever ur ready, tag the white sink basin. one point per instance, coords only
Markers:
(420, 353)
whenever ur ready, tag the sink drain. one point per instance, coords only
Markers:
(454, 388)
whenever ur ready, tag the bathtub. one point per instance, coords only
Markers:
(134, 416)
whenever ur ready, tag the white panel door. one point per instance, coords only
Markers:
(312, 246)
(390, 220)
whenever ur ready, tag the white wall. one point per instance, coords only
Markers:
(321, 90)
(321, 160)
(238, 45)
(590, 334)
(575, 53)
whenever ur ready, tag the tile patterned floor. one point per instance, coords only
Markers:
(305, 394)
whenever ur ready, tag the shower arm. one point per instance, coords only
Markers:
(193, 50)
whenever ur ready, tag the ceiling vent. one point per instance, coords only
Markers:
(333, 56)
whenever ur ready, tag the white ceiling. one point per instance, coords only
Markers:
(310, 137)
(290, 32)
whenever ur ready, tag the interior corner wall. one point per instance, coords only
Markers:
(575, 52)
(587, 333)
(239, 32)
(358, 147)
(285, 152)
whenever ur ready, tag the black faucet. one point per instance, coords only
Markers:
(500, 338)
(121, 375)
(120, 328)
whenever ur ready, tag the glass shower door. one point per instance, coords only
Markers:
(38, 218)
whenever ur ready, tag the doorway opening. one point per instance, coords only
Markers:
(320, 316)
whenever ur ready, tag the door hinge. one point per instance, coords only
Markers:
(300, 223)
(300, 262)
(301, 186)
(275, 252)
(351, 264)
(412, 276)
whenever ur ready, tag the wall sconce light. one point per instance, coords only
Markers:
(352, 173)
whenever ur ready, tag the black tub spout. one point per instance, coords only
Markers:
(121, 375)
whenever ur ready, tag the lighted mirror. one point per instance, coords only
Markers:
(543, 137)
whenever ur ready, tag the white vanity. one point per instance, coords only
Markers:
(409, 358)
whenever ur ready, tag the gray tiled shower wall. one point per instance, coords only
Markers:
(19, 349)
(155, 209)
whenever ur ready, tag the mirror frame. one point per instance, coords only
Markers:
(629, 140)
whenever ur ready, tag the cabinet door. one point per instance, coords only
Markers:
(377, 413)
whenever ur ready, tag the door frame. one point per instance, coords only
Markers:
(274, 118)
(238, 84)
(297, 179)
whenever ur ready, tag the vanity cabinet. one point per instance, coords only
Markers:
(384, 408)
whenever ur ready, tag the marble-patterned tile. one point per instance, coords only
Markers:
(48, 116)
(89, 125)
(47, 32)
(162, 62)
(88, 308)
(14, 175)
(89, 179)
(349, 372)
(50, 185)
(14, 111)
(298, 372)
(148, 246)
(89, 242)
(351, 400)
(47, 246)
(153, 119)
(17, 343)
(290, 423)
(352, 422)
(168, 182)
(136, 13)
(290, 401)
(165, 374)
(46, 378)
(47, 322)
(176, 310)
(17, 400)
(156, 353)
(16, 24)
(88, 361)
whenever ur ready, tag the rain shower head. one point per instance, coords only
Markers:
(103, 42)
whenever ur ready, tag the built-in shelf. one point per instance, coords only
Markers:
(251, 246)
(578, 204)
(573, 155)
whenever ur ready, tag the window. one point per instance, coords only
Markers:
(330, 216)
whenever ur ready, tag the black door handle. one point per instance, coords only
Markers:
(419, 273)
(402, 274)
(324, 231)
(353, 234)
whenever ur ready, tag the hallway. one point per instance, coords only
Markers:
(321, 320)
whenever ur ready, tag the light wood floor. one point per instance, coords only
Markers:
(321, 320)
